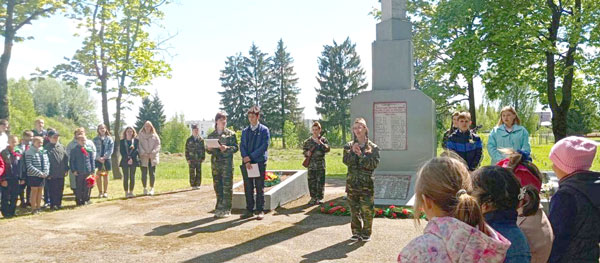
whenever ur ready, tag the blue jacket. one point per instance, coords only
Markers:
(517, 139)
(468, 145)
(78, 162)
(505, 222)
(575, 218)
(255, 143)
(109, 146)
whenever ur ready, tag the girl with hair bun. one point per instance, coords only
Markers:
(456, 231)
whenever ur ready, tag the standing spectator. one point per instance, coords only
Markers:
(195, 154)
(24, 188)
(456, 231)
(465, 142)
(450, 131)
(149, 150)
(72, 145)
(3, 134)
(222, 164)
(81, 163)
(575, 207)
(315, 149)
(9, 180)
(59, 168)
(498, 193)
(361, 156)
(508, 134)
(38, 168)
(253, 148)
(130, 160)
(39, 130)
(104, 148)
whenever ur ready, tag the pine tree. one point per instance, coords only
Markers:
(258, 76)
(151, 110)
(285, 84)
(234, 98)
(340, 78)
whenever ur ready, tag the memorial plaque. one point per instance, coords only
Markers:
(394, 187)
(389, 122)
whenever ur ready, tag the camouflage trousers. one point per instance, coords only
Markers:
(316, 183)
(195, 173)
(362, 211)
(223, 184)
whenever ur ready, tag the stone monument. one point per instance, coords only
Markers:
(401, 119)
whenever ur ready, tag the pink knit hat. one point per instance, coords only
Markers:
(573, 154)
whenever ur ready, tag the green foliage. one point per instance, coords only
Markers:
(290, 134)
(174, 135)
(151, 110)
(234, 96)
(340, 78)
(21, 106)
(288, 107)
(259, 78)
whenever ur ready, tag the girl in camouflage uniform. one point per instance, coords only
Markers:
(362, 157)
(222, 164)
(316, 147)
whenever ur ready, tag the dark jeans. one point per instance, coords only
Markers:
(56, 187)
(250, 184)
(47, 198)
(145, 174)
(128, 177)
(9, 197)
(82, 191)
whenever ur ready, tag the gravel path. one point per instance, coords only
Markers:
(179, 227)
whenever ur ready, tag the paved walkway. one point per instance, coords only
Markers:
(179, 227)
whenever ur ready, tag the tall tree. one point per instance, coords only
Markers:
(151, 110)
(235, 98)
(13, 16)
(158, 114)
(532, 42)
(340, 78)
(258, 76)
(286, 86)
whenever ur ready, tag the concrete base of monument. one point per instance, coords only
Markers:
(292, 188)
(395, 188)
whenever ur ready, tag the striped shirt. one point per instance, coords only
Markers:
(37, 162)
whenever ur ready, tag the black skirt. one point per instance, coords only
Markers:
(34, 181)
(106, 166)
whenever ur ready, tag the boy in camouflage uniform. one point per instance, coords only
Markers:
(222, 164)
(194, 154)
(362, 157)
(316, 147)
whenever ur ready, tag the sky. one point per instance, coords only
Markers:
(206, 33)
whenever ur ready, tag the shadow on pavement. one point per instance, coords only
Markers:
(337, 251)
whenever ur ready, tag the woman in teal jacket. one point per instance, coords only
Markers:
(507, 134)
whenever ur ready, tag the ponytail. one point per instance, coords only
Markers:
(532, 200)
(468, 210)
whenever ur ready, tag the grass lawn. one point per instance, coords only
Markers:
(172, 172)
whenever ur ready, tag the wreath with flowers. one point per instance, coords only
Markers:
(272, 179)
(342, 209)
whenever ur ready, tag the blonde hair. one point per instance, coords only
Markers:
(456, 113)
(316, 124)
(446, 181)
(79, 131)
(464, 115)
(133, 135)
(152, 130)
(511, 110)
(13, 137)
(107, 133)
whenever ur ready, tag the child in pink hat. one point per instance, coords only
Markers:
(575, 207)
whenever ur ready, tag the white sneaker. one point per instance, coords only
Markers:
(99, 195)
(105, 195)
(151, 191)
(145, 191)
(227, 214)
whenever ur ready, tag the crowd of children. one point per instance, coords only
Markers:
(33, 168)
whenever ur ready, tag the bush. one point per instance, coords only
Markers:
(174, 135)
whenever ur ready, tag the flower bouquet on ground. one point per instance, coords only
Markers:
(338, 209)
(342, 209)
(271, 179)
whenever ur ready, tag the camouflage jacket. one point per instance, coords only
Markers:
(317, 159)
(227, 138)
(360, 168)
(194, 149)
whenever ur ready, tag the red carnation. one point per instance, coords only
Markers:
(322, 209)
(394, 215)
(331, 204)
(405, 212)
(380, 212)
(343, 210)
(392, 206)
(84, 151)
